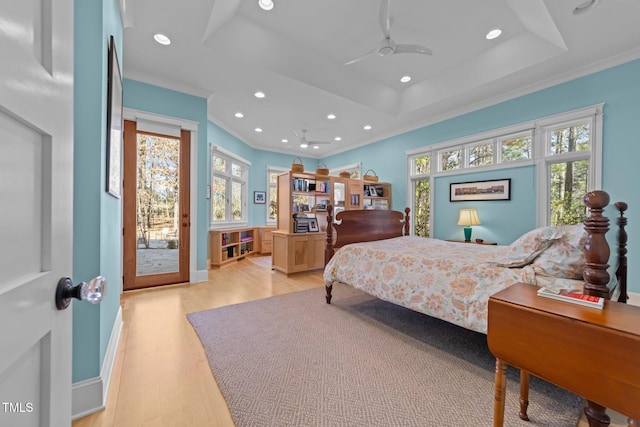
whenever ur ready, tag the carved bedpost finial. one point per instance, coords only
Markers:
(328, 251)
(596, 248)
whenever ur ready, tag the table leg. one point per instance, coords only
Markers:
(524, 395)
(596, 415)
(499, 393)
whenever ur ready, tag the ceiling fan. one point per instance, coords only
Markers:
(304, 143)
(387, 46)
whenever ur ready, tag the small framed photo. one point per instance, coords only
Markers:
(372, 191)
(259, 197)
(313, 224)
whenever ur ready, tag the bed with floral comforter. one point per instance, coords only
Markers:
(453, 281)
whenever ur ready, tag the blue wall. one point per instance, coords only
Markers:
(97, 218)
(618, 88)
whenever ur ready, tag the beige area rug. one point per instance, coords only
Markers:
(262, 261)
(293, 360)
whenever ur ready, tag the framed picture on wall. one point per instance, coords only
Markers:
(115, 122)
(259, 197)
(496, 189)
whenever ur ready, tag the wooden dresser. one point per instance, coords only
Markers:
(593, 353)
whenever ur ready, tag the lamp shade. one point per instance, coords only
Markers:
(468, 217)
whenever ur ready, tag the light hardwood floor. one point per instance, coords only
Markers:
(161, 376)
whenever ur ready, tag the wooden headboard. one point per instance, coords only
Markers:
(363, 226)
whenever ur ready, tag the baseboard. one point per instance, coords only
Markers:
(90, 395)
(198, 276)
(634, 298)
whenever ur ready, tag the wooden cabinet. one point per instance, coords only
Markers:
(308, 194)
(231, 244)
(266, 241)
(295, 253)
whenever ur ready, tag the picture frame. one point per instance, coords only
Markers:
(313, 225)
(372, 191)
(260, 197)
(115, 123)
(495, 189)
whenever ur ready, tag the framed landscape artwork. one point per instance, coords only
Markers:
(497, 189)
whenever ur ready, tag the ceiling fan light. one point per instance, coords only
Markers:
(265, 4)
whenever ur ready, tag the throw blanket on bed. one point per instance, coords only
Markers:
(447, 280)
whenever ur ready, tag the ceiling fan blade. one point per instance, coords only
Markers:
(360, 58)
(318, 142)
(384, 17)
(412, 48)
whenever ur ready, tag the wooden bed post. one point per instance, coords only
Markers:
(407, 224)
(596, 248)
(621, 272)
(328, 251)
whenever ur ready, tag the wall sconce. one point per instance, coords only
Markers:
(467, 218)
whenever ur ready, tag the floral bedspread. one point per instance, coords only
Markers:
(447, 280)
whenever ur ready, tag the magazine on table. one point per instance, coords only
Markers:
(572, 297)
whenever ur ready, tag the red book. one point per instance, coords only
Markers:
(572, 297)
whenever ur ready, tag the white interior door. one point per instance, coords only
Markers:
(36, 185)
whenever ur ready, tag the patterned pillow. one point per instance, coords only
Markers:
(528, 246)
(565, 258)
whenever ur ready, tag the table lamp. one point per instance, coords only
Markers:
(467, 218)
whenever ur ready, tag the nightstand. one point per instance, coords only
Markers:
(474, 242)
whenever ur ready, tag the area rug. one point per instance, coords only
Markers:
(293, 360)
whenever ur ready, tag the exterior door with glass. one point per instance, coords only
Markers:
(156, 207)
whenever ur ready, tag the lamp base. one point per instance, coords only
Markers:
(467, 234)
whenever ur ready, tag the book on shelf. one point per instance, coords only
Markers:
(572, 297)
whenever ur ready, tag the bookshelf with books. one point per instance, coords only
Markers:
(299, 239)
(230, 244)
(376, 195)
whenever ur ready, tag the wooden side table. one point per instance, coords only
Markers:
(473, 241)
(590, 352)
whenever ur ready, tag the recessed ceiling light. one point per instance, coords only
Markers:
(258, 129)
(493, 34)
(259, 94)
(331, 116)
(315, 147)
(285, 140)
(265, 4)
(337, 138)
(405, 79)
(162, 39)
(303, 145)
(367, 127)
(239, 115)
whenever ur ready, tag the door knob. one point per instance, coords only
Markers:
(94, 291)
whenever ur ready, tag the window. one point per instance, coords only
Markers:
(272, 192)
(569, 168)
(421, 194)
(229, 178)
(565, 148)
